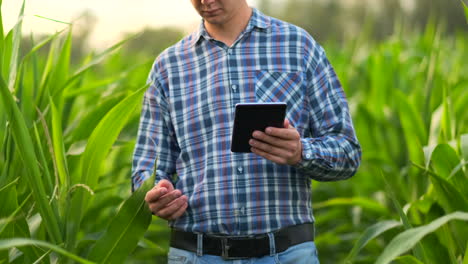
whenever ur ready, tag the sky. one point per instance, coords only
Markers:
(114, 17)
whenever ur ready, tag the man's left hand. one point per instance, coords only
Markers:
(280, 145)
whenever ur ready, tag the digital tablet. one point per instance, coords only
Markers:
(254, 116)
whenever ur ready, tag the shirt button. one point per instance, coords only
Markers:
(308, 156)
(240, 169)
(234, 87)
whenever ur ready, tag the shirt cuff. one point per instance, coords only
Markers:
(311, 156)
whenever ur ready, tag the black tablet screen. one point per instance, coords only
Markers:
(254, 116)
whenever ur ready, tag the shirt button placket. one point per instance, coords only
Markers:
(241, 210)
(233, 76)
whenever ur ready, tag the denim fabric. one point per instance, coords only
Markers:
(305, 253)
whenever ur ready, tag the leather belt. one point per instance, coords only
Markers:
(239, 247)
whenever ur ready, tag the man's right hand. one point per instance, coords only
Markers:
(166, 202)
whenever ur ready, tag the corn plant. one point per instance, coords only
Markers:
(60, 153)
(410, 196)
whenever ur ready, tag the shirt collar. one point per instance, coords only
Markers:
(257, 21)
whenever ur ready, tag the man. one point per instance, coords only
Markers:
(223, 205)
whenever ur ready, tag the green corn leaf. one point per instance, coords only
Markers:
(369, 234)
(95, 210)
(413, 126)
(25, 146)
(15, 49)
(434, 132)
(42, 159)
(379, 83)
(464, 146)
(60, 160)
(105, 134)
(96, 60)
(7, 47)
(460, 104)
(43, 92)
(99, 144)
(18, 209)
(51, 69)
(147, 243)
(465, 259)
(41, 44)
(51, 58)
(365, 203)
(1, 26)
(61, 69)
(42, 259)
(22, 230)
(15, 224)
(6, 149)
(419, 249)
(125, 229)
(8, 185)
(409, 238)
(447, 195)
(92, 119)
(25, 93)
(466, 10)
(9, 203)
(390, 192)
(447, 127)
(21, 242)
(95, 87)
(408, 259)
(54, 20)
(444, 160)
(2, 37)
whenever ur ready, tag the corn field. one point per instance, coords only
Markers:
(67, 132)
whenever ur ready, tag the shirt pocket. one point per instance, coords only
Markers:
(287, 87)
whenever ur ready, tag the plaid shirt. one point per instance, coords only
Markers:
(187, 118)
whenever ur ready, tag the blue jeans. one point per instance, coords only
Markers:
(305, 253)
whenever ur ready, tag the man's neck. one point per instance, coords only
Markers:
(228, 32)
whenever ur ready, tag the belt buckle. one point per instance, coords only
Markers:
(225, 249)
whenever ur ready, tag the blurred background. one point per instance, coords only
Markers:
(99, 24)
(403, 66)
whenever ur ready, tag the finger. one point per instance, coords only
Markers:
(261, 136)
(268, 156)
(172, 208)
(179, 212)
(276, 150)
(274, 132)
(271, 140)
(283, 133)
(163, 187)
(167, 184)
(155, 193)
(164, 200)
(290, 153)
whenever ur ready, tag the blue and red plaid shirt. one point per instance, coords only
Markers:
(187, 118)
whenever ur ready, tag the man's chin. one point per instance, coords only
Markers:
(214, 20)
